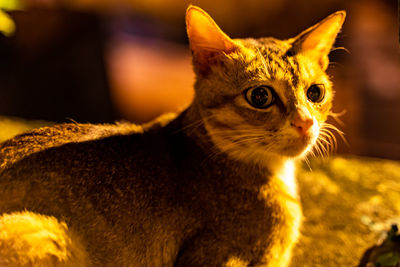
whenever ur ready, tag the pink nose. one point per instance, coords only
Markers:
(302, 121)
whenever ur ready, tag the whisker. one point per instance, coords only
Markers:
(332, 127)
(323, 148)
(329, 139)
(235, 134)
(317, 148)
(327, 147)
(333, 64)
(263, 60)
(333, 138)
(339, 132)
(241, 131)
(311, 152)
(194, 125)
(307, 161)
(336, 116)
(233, 147)
(341, 48)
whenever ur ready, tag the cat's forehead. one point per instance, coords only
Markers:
(270, 63)
(261, 62)
(269, 44)
(273, 61)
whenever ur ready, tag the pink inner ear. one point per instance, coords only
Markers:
(318, 42)
(321, 39)
(204, 34)
(204, 61)
(207, 40)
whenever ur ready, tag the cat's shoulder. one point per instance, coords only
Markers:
(44, 138)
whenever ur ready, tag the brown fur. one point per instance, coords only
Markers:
(211, 187)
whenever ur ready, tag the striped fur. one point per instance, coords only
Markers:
(214, 186)
(230, 120)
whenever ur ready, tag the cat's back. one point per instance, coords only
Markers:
(77, 161)
(104, 181)
(45, 138)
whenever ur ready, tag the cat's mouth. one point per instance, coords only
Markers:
(300, 144)
(307, 139)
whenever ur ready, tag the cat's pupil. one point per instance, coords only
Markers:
(259, 96)
(315, 93)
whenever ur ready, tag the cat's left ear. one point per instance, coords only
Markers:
(316, 42)
(206, 39)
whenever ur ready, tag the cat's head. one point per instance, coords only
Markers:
(260, 97)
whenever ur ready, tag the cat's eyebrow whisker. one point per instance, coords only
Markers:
(341, 48)
(336, 116)
(263, 61)
(332, 63)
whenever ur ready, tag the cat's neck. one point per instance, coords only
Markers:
(275, 170)
(193, 126)
(195, 145)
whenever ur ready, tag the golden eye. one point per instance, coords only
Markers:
(260, 97)
(316, 93)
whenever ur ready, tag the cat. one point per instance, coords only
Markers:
(211, 186)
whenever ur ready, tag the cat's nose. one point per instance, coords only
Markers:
(302, 121)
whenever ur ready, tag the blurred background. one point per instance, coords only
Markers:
(107, 60)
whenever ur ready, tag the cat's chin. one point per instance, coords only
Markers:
(295, 153)
(299, 148)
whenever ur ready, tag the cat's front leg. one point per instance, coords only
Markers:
(209, 249)
(32, 239)
(206, 249)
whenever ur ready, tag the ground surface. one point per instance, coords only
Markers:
(348, 203)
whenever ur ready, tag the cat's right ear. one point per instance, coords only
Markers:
(206, 39)
(316, 42)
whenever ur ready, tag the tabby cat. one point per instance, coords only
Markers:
(213, 186)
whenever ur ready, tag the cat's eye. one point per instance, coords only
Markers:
(316, 93)
(260, 97)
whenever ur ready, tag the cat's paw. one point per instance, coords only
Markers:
(31, 239)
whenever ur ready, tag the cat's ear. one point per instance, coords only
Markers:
(206, 39)
(316, 42)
